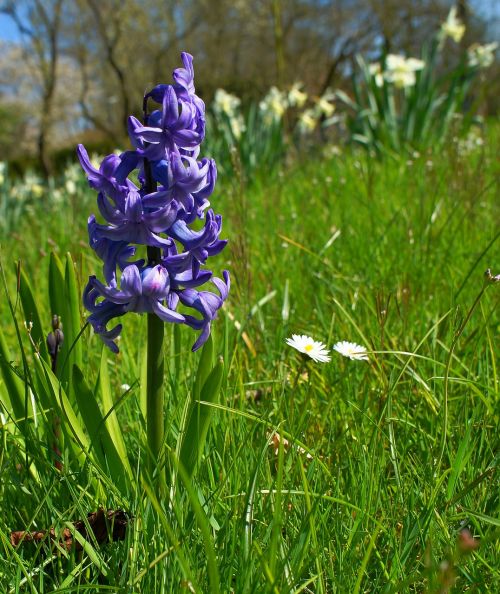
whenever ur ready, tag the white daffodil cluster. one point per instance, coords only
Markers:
(229, 105)
(323, 107)
(275, 105)
(481, 56)
(453, 26)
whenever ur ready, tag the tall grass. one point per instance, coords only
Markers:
(403, 449)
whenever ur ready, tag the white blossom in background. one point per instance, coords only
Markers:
(297, 97)
(375, 70)
(401, 71)
(481, 56)
(274, 104)
(237, 126)
(324, 105)
(307, 121)
(2, 172)
(225, 102)
(453, 26)
(473, 141)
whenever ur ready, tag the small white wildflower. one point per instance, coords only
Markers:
(312, 348)
(124, 387)
(453, 26)
(351, 349)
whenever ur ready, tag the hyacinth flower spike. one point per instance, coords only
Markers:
(152, 261)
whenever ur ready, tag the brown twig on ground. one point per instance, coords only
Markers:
(106, 526)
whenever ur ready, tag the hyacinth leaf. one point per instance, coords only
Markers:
(32, 315)
(51, 391)
(112, 423)
(101, 444)
(57, 302)
(204, 525)
(199, 417)
(205, 366)
(71, 320)
(143, 392)
(13, 395)
(56, 285)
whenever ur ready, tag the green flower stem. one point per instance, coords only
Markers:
(155, 399)
(155, 422)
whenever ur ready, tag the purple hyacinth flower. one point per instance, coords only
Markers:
(174, 188)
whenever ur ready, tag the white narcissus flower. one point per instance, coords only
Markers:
(312, 348)
(453, 26)
(481, 56)
(324, 105)
(226, 103)
(351, 349)
(237, 126)
(274, 103)
(307, 120)
(297, 97)
(401, 70)
(375, 70)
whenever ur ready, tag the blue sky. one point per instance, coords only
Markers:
(490, 9)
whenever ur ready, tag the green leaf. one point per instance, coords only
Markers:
(50, 389)
(199, 420)
(56, 285)
(72, 324)
(112, 423)
(205, 366)
(32, 315)
(57, 303)
(101, 443)
(13, 396)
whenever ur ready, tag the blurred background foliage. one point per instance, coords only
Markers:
(77, 69)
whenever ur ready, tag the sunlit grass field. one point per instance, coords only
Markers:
(379, 466)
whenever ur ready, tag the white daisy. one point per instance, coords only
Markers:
(351, 350)
(312, 348)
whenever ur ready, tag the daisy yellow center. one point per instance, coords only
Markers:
(308, 347)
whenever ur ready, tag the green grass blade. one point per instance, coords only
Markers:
(32, 315)
(100, 440)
